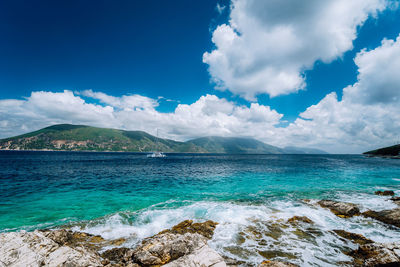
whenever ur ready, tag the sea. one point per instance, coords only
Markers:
(131, 196)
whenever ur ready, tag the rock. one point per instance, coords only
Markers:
(163, 248)
(276, 264)
(356, 238)
(298, 219)
(385, 193)
(36, 249)
(386, 216)
(118, 255)
(205, 229)
(377, 254)
(204, 257)
(341, 209)
(74, 239)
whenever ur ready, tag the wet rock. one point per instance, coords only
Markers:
(205, 229)
(386, 216)
(377, 254)
(299, 219)
(36, 249)
(385, 193)
(269, 254)
(396, 200)
(341, 209)
(356, 238)
(276, 264)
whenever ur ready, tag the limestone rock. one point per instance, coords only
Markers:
(356, 238)
(163, 248)
(74, 239)
(118, 255)
(386, 216)
(341, 209)
(36, 249)
(205, 229)
(385, 193)
(276, 264)
(201, 257)
(377, 254)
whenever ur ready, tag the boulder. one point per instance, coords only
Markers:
(356, 238)
(386, 216)
(36, 249)
(276, 264)
(166, 247)
(377, 254)
(341, 209)
(385, 193)
(205, 229)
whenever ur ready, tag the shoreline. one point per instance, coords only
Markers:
(89, 249)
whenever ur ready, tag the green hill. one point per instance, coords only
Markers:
(86, 138)
(391, 151)
(234, 145)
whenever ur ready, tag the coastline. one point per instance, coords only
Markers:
(188, 243)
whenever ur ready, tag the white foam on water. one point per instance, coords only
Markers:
(253, 233)
(368, 201)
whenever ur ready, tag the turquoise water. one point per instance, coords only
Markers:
(132, 196)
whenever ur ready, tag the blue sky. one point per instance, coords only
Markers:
(101, 51)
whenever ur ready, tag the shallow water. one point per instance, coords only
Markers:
(251, 196)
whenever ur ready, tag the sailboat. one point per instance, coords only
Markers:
(156, 154)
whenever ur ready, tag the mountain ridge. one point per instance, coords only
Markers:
(69, 137)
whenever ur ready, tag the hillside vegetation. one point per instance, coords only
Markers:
(86, 138)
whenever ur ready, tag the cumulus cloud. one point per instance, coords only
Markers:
(367, 116)
(267, 45)
(209, 115)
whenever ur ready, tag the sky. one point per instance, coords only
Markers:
(319, 74)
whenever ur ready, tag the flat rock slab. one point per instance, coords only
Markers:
(35, 249)
(341, 209)
(386, 216)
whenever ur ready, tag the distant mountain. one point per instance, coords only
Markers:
(391, 151)
(234, 145)
(86, 138)
(302, 150)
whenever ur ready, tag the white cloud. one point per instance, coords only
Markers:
(268, 44)
(368, 116)
(209, 115)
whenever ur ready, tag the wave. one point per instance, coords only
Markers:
(252, 233)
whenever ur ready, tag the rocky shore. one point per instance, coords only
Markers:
(186, 244)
